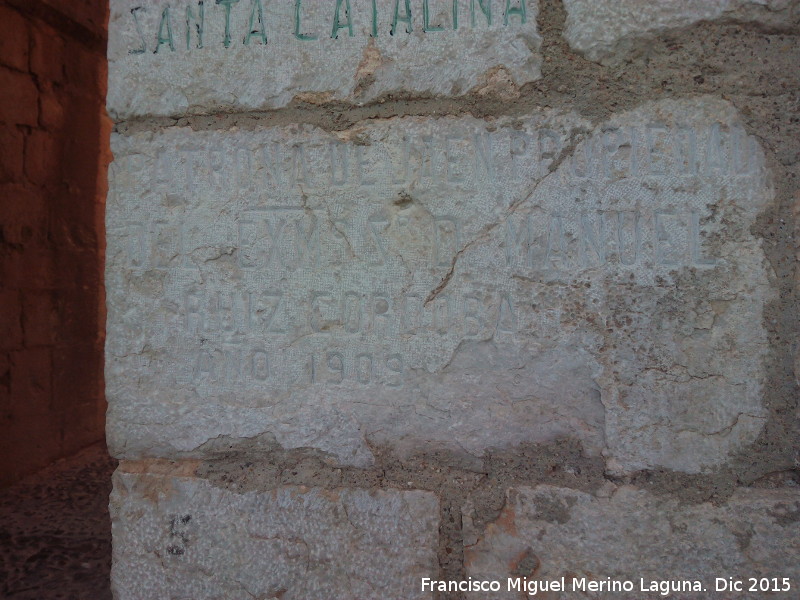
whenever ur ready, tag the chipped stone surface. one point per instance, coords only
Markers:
(181, 537)
(447, 283)
(157, 68)
(546, 533)
(602, 28)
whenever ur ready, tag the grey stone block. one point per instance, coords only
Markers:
(258, 54)
(656, 543)
(423, 283)
(181, 537)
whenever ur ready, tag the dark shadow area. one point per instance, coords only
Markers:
(55, 472)
(54, 156)
(55, 532)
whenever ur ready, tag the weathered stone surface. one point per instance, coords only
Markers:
(180, 537)
(427, 283)
(545, 533)
(602, 28)
(159, 65)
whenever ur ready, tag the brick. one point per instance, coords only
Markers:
(20, 98)
(78, 367)
(12, 144)
(40, 318)
(51, 111)
(13, 39)
(48, 55)
(5, 387)
(43, 158)
(83, 70)
(31, 385)
(32, 442)
(545, 533)
(22, 207)
(11, 321)
(32, 268)
(82, 142)
(91, 14)
(79, 269)
(184, 537)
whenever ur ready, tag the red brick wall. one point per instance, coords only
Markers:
(53, 159)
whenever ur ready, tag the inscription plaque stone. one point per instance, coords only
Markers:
(170, 58)
(442, 283)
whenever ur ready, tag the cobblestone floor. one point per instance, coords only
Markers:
(55, 532)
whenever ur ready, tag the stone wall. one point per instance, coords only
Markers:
(53, 160)
(449, 290)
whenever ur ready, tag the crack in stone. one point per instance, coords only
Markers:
(575, 137)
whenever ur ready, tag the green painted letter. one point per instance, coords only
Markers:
(227, 4)
(486, 8)
(519, 10)
(165, 20)
(300, 36)
(374, 18)
(337, 25)
(143, 48)
(405, 19)
(262, 31)
(426, 18)
(199, 23)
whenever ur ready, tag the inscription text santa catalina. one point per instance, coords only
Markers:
(185, 25)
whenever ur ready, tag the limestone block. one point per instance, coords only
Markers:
(602, 28)
(422, 283)
(181, 537)
(545, 533)
(238, 55)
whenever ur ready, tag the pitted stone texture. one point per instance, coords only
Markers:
(425, 56)
(603, 28)
(547, 532)
(442, 283)
(181, 537)
(796, 341)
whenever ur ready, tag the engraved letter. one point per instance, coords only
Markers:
(596, 241)
(426, 18)
(259, 364)
(486, 7)
(256, 29)
(446, 242)
(698, 260)
(406, 18)
(637, 237)
(143, 48)
(227, 5)
(300, 36)
(519, 10)
(337, 25)
(657, 159)
(160, 39)
(199, 24)
(375, 226)
(662, 239)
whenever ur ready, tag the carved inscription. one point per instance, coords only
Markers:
(451, 283)
(312, 261)
(183, 25)
(178, 57)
